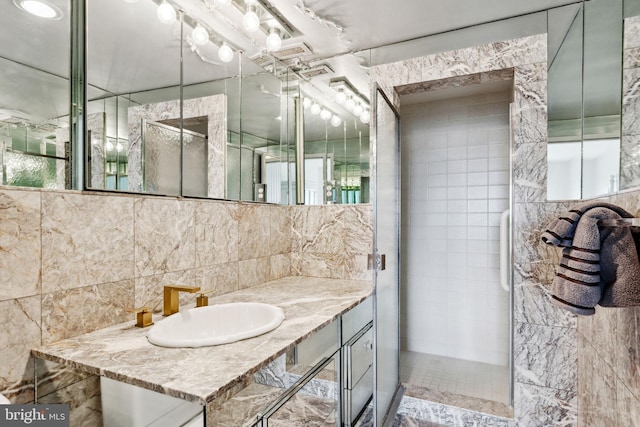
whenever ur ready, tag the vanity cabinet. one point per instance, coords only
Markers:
(335, 368)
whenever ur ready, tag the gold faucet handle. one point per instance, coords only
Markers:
(143, 316)
(202, 300)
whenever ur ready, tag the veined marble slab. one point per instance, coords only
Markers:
(200, 375)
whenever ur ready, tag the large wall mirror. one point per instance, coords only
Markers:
(592, 148)
(181, 102)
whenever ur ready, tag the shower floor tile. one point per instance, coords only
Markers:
(463, 377)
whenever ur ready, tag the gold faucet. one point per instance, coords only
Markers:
(171, 300)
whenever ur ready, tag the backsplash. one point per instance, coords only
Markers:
(76, 262)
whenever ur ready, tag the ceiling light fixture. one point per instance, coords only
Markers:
(341, 97)
(166, 13)
(365, 117)
(200, 35)
(325, 114)
(306, 102)
(349, 104)
(315, 108)
(40, 8)
(250, 20)
(274, 41)
(225, 53)
(357, 110)
(336, 121)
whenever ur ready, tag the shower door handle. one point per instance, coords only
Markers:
(505, 250)
(377, 262)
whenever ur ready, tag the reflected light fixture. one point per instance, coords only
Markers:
(250, 20)
(166, 13)
(109, 146)
(40, 8)
(349, 104)
(306, 102)
(200, 35)
(315, 108)
(274, 41)
(225, 53)
(119, 147)
(325, 114)
(365, 117)
(336, 121)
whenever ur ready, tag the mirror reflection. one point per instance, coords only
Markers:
(585, 105)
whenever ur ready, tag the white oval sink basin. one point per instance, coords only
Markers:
(216, 324)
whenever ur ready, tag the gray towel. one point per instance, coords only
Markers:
(599, 265)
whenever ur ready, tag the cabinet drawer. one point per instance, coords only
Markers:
(358, 357)
(357, 398)
(356, 319)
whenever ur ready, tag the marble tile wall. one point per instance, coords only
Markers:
(332, 241)
(76, 262)
(609, 345)
(545, 338)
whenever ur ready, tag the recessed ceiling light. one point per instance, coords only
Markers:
(40, 8)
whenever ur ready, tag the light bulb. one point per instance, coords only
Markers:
(274, 42)
(108, 146)
(336, 121)
(315, 108)
(341, 97)
(357, 110)
(325, 114)
(225, 53)
(39, 8)
(365, 117)
(223, 2)
(200, 35)
(306, 102)
(119, 147)
(349, 104)
(166, 13)
(251, 21)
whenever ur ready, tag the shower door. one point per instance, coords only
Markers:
(386, 257)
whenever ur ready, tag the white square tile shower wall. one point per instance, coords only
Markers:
(455, 155)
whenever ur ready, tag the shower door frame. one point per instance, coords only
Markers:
(378, 258)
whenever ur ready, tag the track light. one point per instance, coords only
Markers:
(200, 35)
(225, 53)
(274, 41)
(166, 13)
(325, 114)
(250, 20)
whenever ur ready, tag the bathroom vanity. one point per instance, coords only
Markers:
(327, 328)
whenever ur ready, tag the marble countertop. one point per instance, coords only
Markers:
(200, 375)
